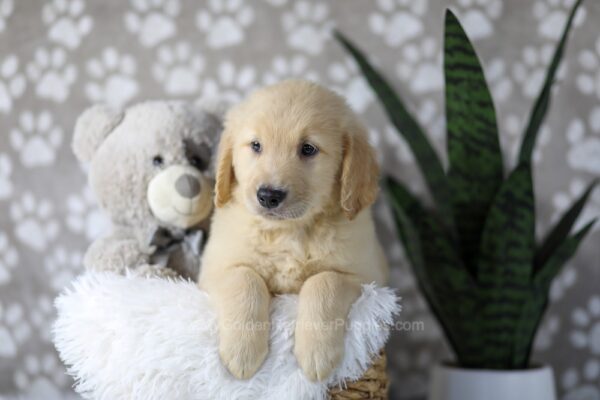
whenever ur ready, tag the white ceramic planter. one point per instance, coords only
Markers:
(451, 383)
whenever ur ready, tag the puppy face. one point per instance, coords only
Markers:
(284, 170)
(292, 150)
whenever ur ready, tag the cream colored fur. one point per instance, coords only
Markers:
(320, 243)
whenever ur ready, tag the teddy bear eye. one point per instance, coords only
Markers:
(197, 162)
(157, 161)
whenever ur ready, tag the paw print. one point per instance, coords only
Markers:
(530, 71)
(384, 217)
(277, 3)
(6, 186)
(552, 16)
(284, 68)
(588, 81)
(351, 85)
(563, 282)
(178, 69)
(62, 266)
(12, 83)
(476, 17)
(152, 20)
(374, 138)
(586, 327)
(113, 78)
(431, 115)
(582, 385)
(224, 21)
(511, 142)
(84, 216)
(35, 225)
(42, 314)
(421, 66)
(51, 74)
(8, 258)
(514, 126)
(402, 151)
(14, 330)
(36, 138)
(6, 9)
(398, 21)
(584, 151)
(499, 80)
(41, 377)
(307, 27)
(545, 335)
(231, 83)
(67, 24)
(562, 200)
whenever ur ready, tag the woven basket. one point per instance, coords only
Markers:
(373, 384)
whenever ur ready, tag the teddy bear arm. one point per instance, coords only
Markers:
(114, 253)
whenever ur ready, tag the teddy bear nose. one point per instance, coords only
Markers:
(187, 186)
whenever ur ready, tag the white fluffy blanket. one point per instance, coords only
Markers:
(138, 338)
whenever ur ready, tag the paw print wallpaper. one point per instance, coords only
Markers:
(57, 57)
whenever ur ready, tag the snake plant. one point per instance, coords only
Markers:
(474, 252)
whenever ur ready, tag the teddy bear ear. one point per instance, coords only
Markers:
(213, 105)
(91, 128)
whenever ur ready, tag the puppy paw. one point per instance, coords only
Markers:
(243, 354)
(318, 354)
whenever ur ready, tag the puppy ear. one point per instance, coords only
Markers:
(91, 128)
(225, 174)
(360, 173)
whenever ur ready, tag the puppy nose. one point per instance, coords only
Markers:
(270, 198)
(187, 186)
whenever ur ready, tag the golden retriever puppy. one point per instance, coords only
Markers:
(295, 180)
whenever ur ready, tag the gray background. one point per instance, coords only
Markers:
(58, 57)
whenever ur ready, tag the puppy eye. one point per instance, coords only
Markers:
(308, 150)
(256, 147)
(157, 161)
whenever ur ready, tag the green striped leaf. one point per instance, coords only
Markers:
(532, 311)
(441, 275)
(438, 247)
(454, 288)
(405, 204)
(508, 236)
(506, 256)
(405, 124)
(473, 146)
(562, 254)
(543, 101)
(490, 317)
(562, 229)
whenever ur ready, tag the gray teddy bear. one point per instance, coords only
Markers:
(151, 169)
